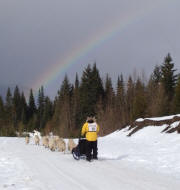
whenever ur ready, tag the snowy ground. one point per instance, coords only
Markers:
(148, 160)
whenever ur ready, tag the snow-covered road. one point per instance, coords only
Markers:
(30, 167)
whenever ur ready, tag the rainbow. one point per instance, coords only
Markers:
(72, 58)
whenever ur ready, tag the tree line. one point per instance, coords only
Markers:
(114, 107)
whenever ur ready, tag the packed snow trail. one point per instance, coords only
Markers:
(30, 167)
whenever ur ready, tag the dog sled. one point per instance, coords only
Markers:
(79, 152)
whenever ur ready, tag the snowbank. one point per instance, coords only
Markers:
(172, 122)
(158, 118)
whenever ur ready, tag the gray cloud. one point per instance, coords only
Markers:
(36, 34)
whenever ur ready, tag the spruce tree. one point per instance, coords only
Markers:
(41, 105)
(120, 101)
(9, 129)
(91, 90)
(168, 78)
(66, 89)
(120, 95)
(9, 106)
(154, 91)
(130, 98)
(16, 106)
(97, 83)
(48, 111)
(109, 93)
(75, 104)
(31, 105)
(156, 76)
(24, 109)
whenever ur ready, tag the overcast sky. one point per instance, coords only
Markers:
(36, 34)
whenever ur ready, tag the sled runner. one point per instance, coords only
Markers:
(79, 152)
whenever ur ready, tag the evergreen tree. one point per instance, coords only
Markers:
(9, 106)
(155, 90)
(75, 103)
(120, 97)
(41, 105)
(31, 105)
(109, 93)
(66, 89)
(156, 76)
(8, 129)
(91, 90)
(130, 98)
(16, 106)
(48, 111)
(24, 109)
(120, 101)
(8, 98)
(97, 83)
(87, 104)
(168, 78)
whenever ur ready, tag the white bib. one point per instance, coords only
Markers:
(92, 127)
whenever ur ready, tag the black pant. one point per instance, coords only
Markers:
(91, 146)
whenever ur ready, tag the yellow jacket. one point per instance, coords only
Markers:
(90, 130)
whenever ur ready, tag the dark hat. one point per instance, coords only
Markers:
(91, 119)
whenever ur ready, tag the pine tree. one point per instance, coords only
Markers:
(91, 90)
(156, 76)
(41, 105)
(31, 105)
(24, 109)
(154, 91)
(168, 78)
(9, 106)
(120, 96)
(48, 111)
(97, 83)
(16, 106)
(66, 89)
(130, 98)
(120, 102)
(86, 100)
(8, 126)
(109, 93)
(75, 103)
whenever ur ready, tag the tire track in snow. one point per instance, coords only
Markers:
(49, 166)
(67, 176)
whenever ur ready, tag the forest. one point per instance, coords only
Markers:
(114, 105)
